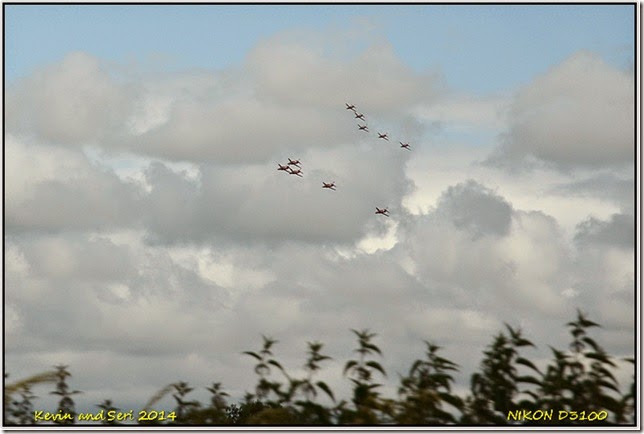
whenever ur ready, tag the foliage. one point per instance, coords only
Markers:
(579, 378)
(66, 404)
(496, 388)
(426, 390)
(107, 406)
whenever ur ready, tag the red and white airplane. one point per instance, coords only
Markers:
(294, 163)
(280, 167)
(297, 172)
(350, 106)
(363, 128)
(329, 185)
(383, 211)
(405, 145)
(359, 116)
(383, 136)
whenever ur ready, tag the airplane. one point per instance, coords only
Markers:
(405, 145)
(363, 128)
(280, 167)
(329, 185)
(383, 211)
(359, 116)
(350, 106)
(294, 162)
(297, 172)
(383, 136)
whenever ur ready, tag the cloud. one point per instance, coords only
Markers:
(174, 239)
(50, 188)
(287, 96)
(145, 301)
(476, 208)
(258, 204)
(290, 70)
(71, 102)
(606, 186)
(522, 261)
(618, 231)
(580, 113)
(102, 294)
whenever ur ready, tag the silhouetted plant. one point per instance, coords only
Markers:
(66, 404)
(262, 368)
(215, 414)
(495, 388)
(183, 406)
(426, 389)
(18, 387)
(583, 377)
(107, 406)
(361, 372)
(312, 413)
(22, 411)
(627, 403)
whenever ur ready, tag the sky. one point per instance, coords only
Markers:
(149, 233)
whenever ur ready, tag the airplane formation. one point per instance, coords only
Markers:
(383, 136)
(288, 169)
(294, 167)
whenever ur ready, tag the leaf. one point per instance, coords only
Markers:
(445, 363)
(601, 357)
(522, 342)
(525, 362)
(587, 323)
(252, 354)
(350, 364)
(375, 365)
(606, 373)
(323, 386)
(45, 377)
(373, 348)
(262, 369)
(268, 342)
(609, 403)
(528, 379)
(454, 400)
(157, 397)
(590, 341)
(608, 385)
(276, 364)
(415, 366)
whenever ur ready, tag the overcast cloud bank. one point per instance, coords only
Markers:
(181, 254)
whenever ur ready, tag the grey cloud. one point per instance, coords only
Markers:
(523, 260)
(606, 186)
(618, 231)
(473, 207)
(239, 131)
(99, 295)
(578, 114)
(291, 70)
(94, 259)
(171, 205)
(258, 204)
(57, 205)
(247, 114)
(51, 189)
(454, 275)
(72, 102)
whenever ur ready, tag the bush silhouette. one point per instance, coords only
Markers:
(579, 379)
